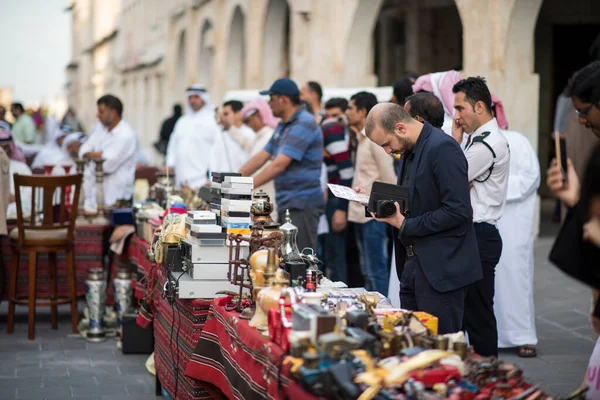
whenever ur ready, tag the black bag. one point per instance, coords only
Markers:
(572, 255)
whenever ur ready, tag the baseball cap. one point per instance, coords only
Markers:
(282, 86)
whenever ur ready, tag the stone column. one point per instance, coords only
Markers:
(412, 34)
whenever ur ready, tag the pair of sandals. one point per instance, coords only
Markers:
(527, 351)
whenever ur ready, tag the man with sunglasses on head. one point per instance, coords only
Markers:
(488, 158)
(296, 150)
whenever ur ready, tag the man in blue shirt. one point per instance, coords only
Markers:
(296, 151)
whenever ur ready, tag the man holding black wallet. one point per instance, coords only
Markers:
(435, 239)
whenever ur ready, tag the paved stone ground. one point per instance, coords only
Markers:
(56, 366)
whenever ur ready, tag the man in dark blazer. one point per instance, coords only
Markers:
(435, 240)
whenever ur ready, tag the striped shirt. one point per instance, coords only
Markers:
(301, 139)
(340, 170)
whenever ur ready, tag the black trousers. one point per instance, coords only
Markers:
(480, 321)
(416, 294)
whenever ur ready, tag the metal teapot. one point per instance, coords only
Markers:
(261, 204)
(288, 250)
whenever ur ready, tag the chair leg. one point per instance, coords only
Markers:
(53, 289)
(72, 289)
(32, 290)
(12, 290)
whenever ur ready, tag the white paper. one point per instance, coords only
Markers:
(344, 192)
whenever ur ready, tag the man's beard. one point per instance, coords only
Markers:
(407, 145)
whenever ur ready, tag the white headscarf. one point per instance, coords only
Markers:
(199, 90)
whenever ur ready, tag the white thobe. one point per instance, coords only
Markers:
(190, 147)
(18, 167)
(513, 301)
(118, 149)
(226, 155)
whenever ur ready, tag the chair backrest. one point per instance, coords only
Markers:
(49, 185)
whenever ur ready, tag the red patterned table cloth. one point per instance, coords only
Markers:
(88, 254)
(238, 360)
(177, 325)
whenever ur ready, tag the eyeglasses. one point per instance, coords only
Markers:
(584, 112)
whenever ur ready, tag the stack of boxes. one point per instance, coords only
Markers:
(205, 257)
(236, 203)
(206, 249)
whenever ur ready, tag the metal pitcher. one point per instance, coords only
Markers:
(288, 249)
(123, 294)
(95, 294)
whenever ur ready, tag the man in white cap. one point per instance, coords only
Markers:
(189, 148)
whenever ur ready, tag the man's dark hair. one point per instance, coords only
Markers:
(428, 107)
(306, 105)
(475, 90)
(403, 89)
(585, 84)
(388, 116)
(18, 106)
(235, 105)
(338, 102)
(364, 101)
(111, 102)
(315, 87)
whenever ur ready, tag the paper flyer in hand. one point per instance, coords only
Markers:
(344, 192)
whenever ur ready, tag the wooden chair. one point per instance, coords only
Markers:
(55, 232)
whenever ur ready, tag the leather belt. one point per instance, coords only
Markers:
(410, 251)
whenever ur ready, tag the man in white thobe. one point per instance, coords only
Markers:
(513, 303)
(227, 154)
(115, 142)
(191, 143)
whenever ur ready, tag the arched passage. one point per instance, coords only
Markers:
(418, 38)
(276, 41)
(236, 52)
(206, 53)
(360, 43)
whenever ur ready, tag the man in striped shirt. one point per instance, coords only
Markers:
(296, 150)
(340, 171)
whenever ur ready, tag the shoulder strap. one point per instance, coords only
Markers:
(481, 139)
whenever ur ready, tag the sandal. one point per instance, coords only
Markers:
(527, 351)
